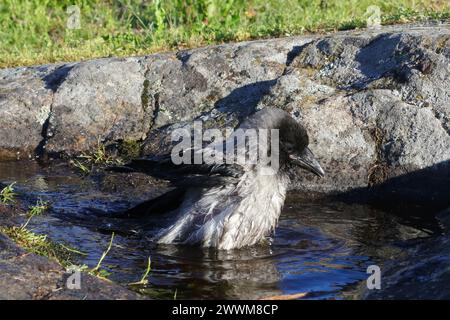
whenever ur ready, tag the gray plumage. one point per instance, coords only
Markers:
(230, 206)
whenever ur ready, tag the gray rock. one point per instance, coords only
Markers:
(25, 104)
(98, 100)
(25, 276)
(376, 102)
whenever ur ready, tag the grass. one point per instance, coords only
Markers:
(36, 210)
(39, 208)
(36, 243)
(40, 244)
(97, 271)
(30, 241)
(144, 280)
(36, 32)
(7, 195)
(86, 162)
(83, 168)
(98, 156)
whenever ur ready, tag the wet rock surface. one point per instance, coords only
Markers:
(421, 273)
(29, 276)
(26, 275)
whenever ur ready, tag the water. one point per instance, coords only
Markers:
(322, 247)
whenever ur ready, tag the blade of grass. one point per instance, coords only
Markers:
(105, 253)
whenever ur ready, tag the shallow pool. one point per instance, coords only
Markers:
(320, 247)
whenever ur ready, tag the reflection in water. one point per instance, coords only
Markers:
(322, 248)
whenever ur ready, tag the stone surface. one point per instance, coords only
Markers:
(26, 276)
(98, 99)
(376, 102)
(25, 104)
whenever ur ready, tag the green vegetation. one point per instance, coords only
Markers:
(97, 271)
(7, 194)
(84, 169)
(39, 208)
(40, 244)
(31, 241)
(37, 243)
(99, 157)
(35, 31)
(144, 279)
(64, 255)
(129, 149)
(36, 210)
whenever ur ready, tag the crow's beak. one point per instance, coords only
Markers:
(307, 161)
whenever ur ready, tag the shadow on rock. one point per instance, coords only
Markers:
(414, 195)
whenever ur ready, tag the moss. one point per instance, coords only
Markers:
(7, 195)
(144, 95)
(441, 44)
(129, 149)
(378, 172)
(352, 24)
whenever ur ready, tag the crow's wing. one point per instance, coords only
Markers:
(184, 175)
(166, 202)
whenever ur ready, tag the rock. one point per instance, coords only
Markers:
(25, 104)
(98, 100)
(375, 102)
(422, 273)
(375, 105)
(25, 276)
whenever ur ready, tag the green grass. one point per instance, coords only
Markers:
(97, 270)
(39, 208)
(83, 168)
(98, 157)
(144, 280)
(7, 195)
(33, 242)
(35, 32)
(40, 244)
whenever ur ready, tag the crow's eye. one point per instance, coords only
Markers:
(289, 147)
